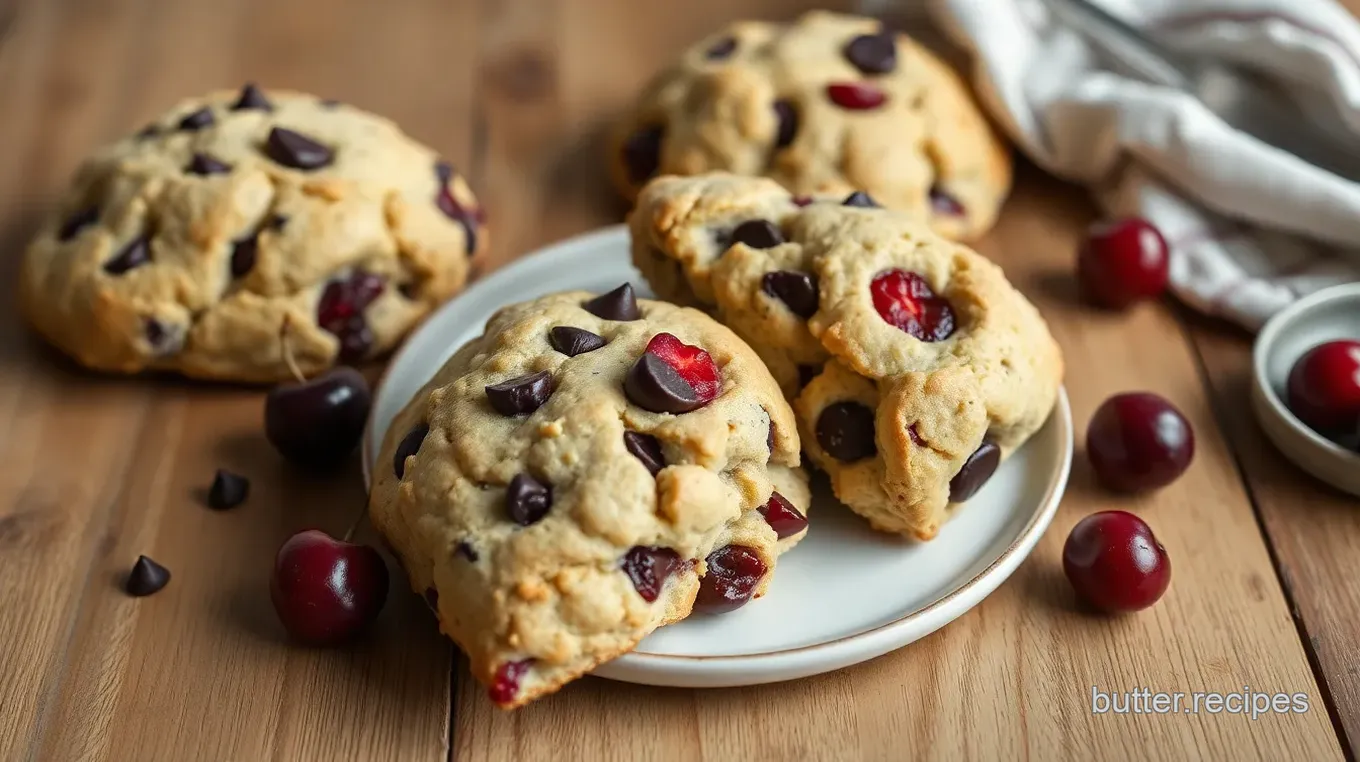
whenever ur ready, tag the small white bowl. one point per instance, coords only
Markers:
(1330, 314)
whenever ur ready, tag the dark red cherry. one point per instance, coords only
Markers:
(317, 423)
(505, 687)
(649, 567)
(1122, 262)
(326, 591)
(1139, 441)
(905, 300)
(1324, 388)
(341, 312)
(782, 516)
(734, 571)
(1115, 563)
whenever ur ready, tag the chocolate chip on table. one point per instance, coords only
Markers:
(522, 395)
(721, 49)
(203, 164)
(198, 120)
(243, 255)
(409, 445)
(845, 430)
(466, 550)
(147, 577)
(228, 490)
(649, 567)
(572, 341)
(252, 97)
(787, 115)
(872, 53)
(642, 153)
(527, 500)
(647, 449)
(78, 222)
(977, 469)
(860, 199)
(619, 304)
(653, 385)
(795, 289)
(758, 234)
(135, 254)
(293, 149)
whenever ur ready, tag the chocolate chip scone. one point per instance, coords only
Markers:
(828, 104)
(913, 365)
(587, 470)
(187, 246)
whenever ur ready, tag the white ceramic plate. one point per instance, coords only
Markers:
(846, 593)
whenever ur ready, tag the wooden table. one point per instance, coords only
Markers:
(94, 471)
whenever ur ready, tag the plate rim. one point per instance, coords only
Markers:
(774, 665)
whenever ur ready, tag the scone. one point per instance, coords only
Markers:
(913, 365)
(187, 246)
(587, 470)
(828, 104)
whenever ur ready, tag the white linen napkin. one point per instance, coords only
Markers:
(1251, 228)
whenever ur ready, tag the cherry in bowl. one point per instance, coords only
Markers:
(1138, 441)
(1323, 389)
(1115, 563)
(1123, 262)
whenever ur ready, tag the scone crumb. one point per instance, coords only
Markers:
(551, 429)
(532, 590)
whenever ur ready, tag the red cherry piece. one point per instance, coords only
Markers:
(340, 311)
(1115, 563)
(1122, 262)
(1139, 441)
(327, 591)
(905, 300)
(505, 687)
(649, 568)
(733, 573)
(856, 96)
(785, 519)
(1324, 388)
(692, 363)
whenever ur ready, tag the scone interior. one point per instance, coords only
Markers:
(554, 538)
(914, 366)
(830, 103)
(188, 245)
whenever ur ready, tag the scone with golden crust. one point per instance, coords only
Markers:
(914, 366)
(828, 104)
(588, 470)
(187, 246)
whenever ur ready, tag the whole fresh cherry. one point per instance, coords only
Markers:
(1324, 388)
(326, 591)
(1122, 262)
(316, 423)
(1138, 441)
(1115, 563)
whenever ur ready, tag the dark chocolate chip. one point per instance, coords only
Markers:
(147, 577)
(277, 221)
(292, 149)
(769, 438)
(721, 49)
(432, 599)
(228, 490)
(645, 448)
(466, 550)
(409, 445)
(243, 255)
(806, 373)
(135, 254)
(944, 204)
(522, 395)
(649, 567)
(797, 290)
(78, 222)
(148, 132)
(409, 290)
(252, 97)
(788, 123)
(198, 120)
(527, 500)
(653, 385)
(642, 153)
(845, 430)
(156, 335)
(619, 304)
(572, 341)
(203, 164)
(758, 234)
(860, 199)
(975, 472)
(872, 53)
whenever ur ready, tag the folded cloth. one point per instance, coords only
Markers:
(1251, 228)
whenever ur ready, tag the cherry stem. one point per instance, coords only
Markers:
(288, 350)
(355, 526)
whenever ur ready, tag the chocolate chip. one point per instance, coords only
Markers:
(277, 221)
(788, 123)
(466, 550)
(147, 132)
(758, 234)
(243, 255)
(977, 469)
(432, 599)
(443, 172)
(653, 385)
(409, 445)
(147, 577)
(645, 448)
(409, 290)
(574, 341)
(769, 438)
(872, 53)
(527, 500)
(78, 222)
(642, 153)
(944, 204)
(292, 149)
(522, 395)
(198, 120)
(649, 567)
(797, 290)
(845, 430)
(619, 304)
(203, 164)
(252, 97)
(806, 373)
(860, 199)
(156, 334)
(135, 254)
(721, 49)
(228, 490)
